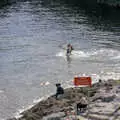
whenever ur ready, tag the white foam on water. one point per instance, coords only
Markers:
(110, 75)
(1, 91)
(47, 83)
(18, 113)
(103, 52)
(61, 54)
(75, 54)
(44, 83)
(36, 100)
(111, 53)
(80, 54)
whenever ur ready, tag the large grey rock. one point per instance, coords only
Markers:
(98, 117)
(12, 119)
(55, 116)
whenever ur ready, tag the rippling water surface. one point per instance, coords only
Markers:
(33, 36)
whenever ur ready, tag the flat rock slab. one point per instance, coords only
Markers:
(103, 108)
(55, 116)
(98, 117)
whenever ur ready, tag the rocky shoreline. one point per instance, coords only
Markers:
(103, 104)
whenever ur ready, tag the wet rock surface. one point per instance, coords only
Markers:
(103, 100)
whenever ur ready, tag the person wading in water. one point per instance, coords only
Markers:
(69, 49)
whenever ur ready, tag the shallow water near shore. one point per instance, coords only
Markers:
(33, 36)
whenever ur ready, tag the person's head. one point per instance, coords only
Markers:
(69, 45)
(58, 84)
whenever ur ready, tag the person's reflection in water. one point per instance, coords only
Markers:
(69, 59)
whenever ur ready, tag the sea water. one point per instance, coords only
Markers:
(33, 38)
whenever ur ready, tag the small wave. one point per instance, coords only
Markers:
(109, 75)
(117, 57)
(1, 91)
(38, 100)
(104, 52)
(61, 54)
(105, 76)
(80, 54)
(35, 101)
(18, 113)
(99, 55)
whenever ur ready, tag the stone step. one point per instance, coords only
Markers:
(98, 117)
(81, 118)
